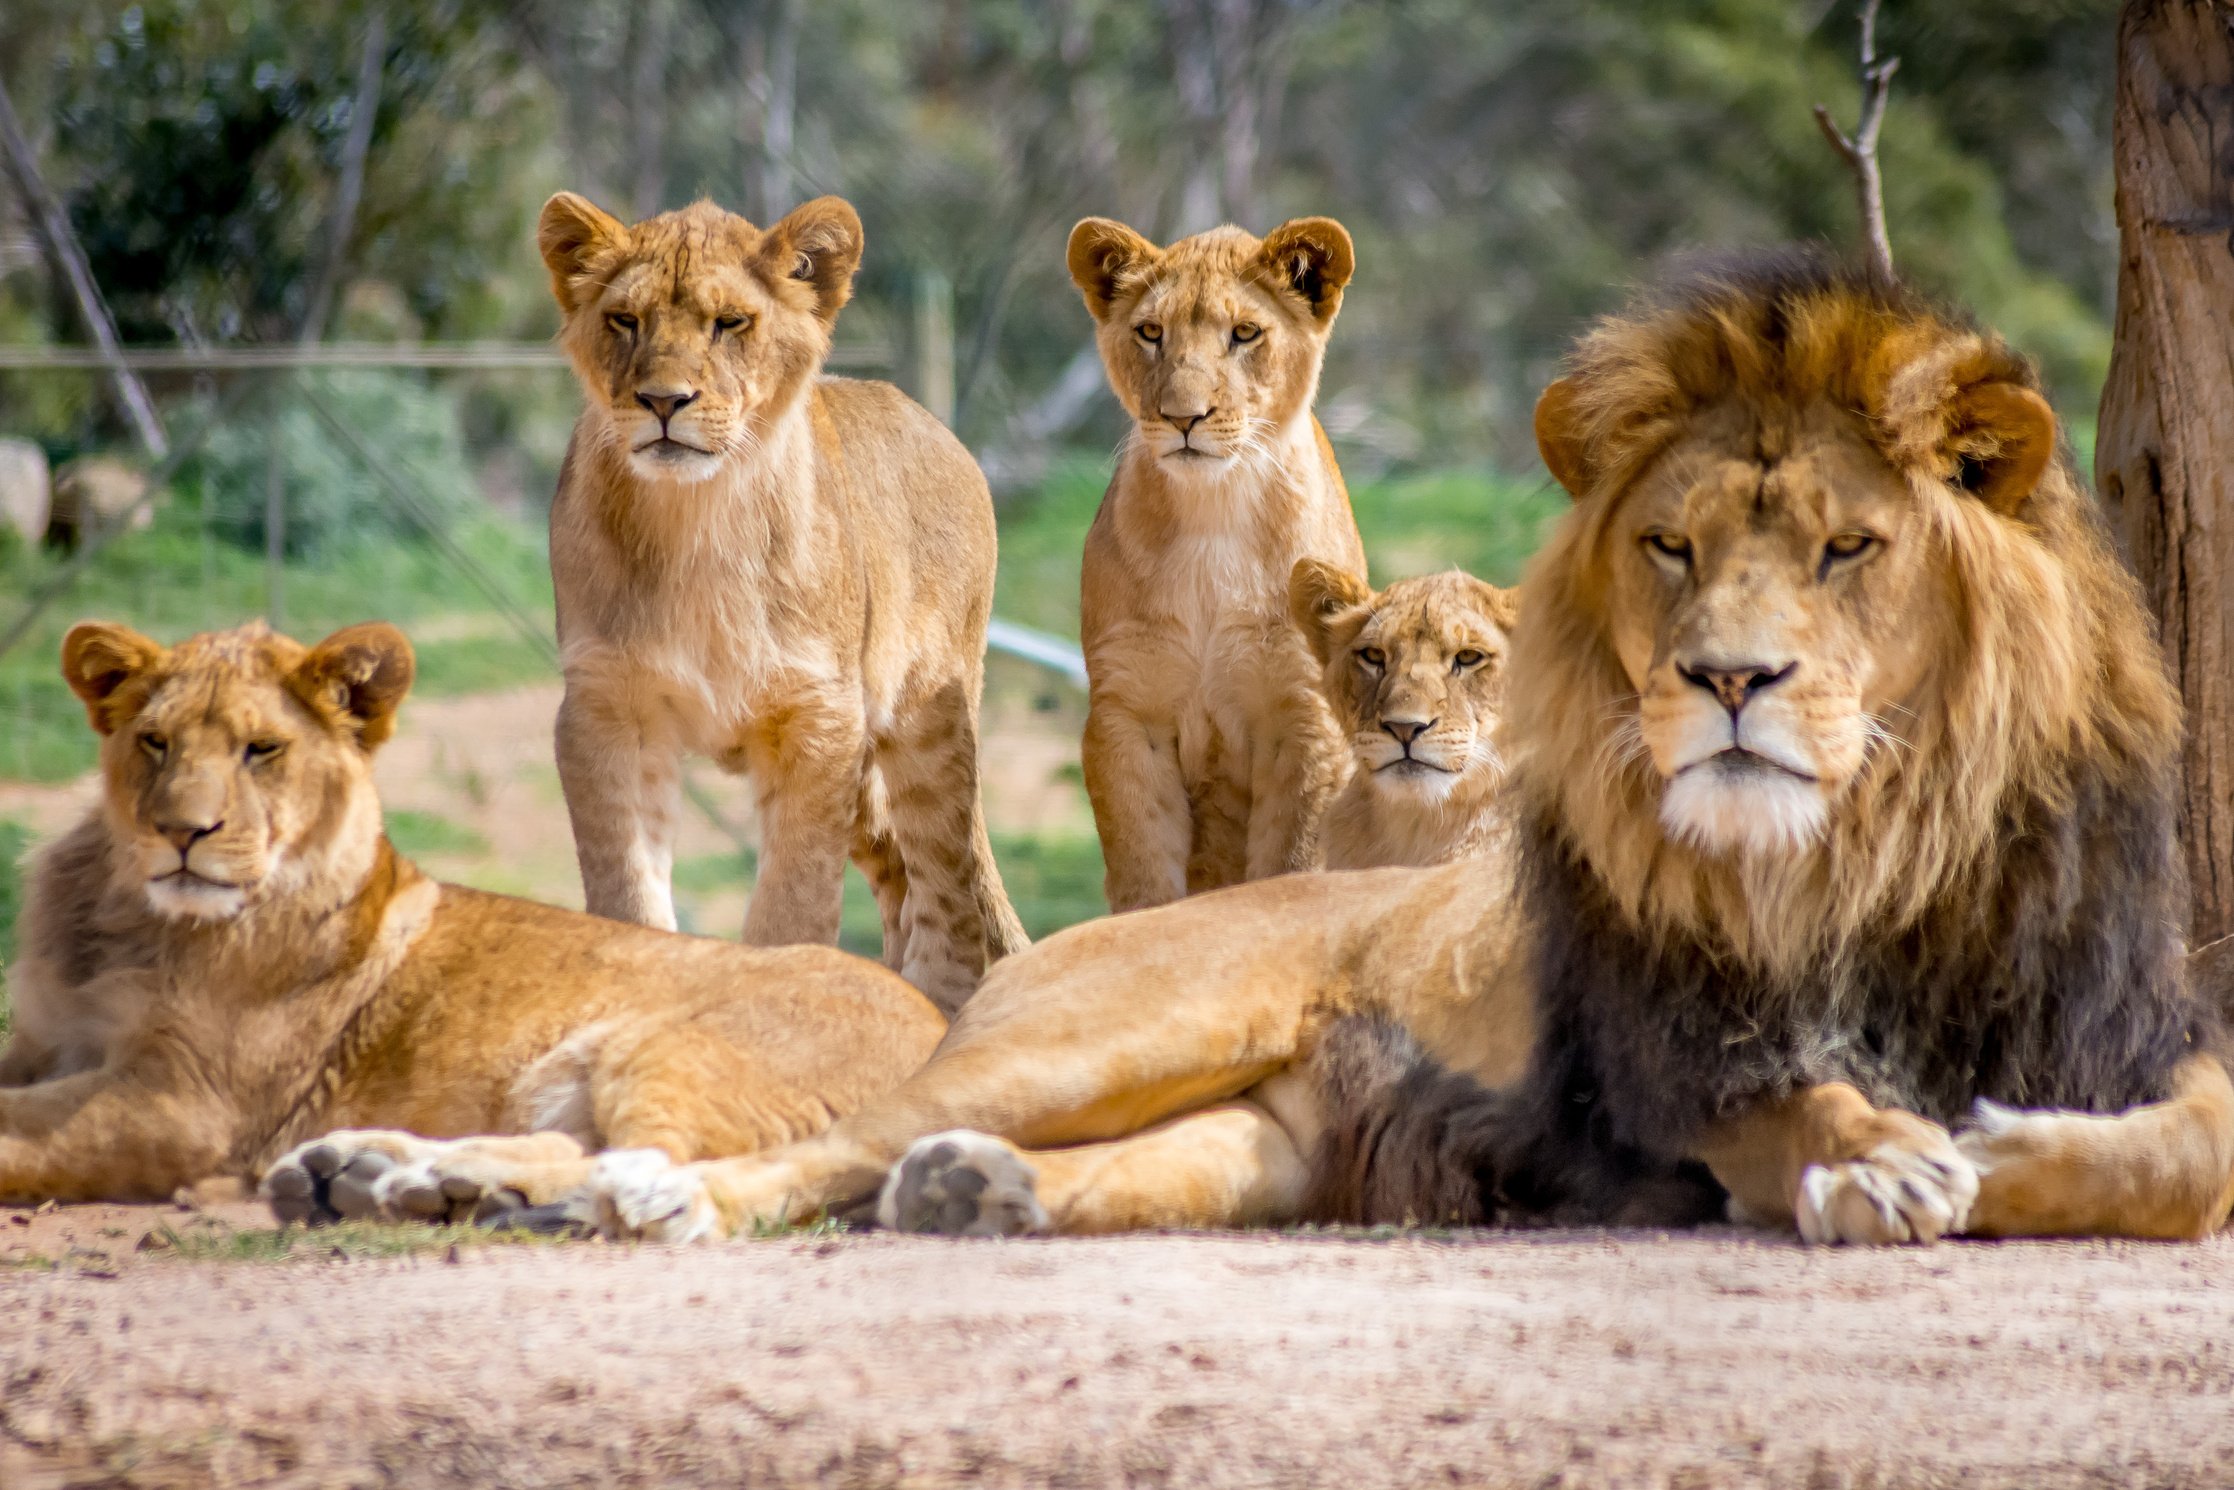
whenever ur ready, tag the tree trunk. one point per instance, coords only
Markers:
(2164, 458)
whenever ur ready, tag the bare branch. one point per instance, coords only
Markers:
(52, 225)
(1859, 150)
(341, 217)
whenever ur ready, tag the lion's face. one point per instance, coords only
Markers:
(237, 766)
(1214, 344)
(1769, 599)
(1795, 520)
(1415, 673)
(693, 331)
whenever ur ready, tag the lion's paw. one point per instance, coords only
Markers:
(962, 1184)
(642, 1195)
(1892, 1194)
(343, 1176)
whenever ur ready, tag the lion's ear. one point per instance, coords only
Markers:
(1317, 593)
(99, 658)
(360, 673)
(1559, 438)
(1499, 604)
(818, 243)
(1311, 258)
(1106, 258)
(576, 238)
(2002, 437)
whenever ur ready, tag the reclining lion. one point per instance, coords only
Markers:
(1843, 763)
(227, 957)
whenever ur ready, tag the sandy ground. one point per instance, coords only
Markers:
(1567, 1359)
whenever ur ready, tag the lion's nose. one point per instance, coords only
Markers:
(1734, 684)
(1185, 423)
(665, 406)
(1408, 731)
(184, 836)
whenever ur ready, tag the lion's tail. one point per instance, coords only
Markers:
(1408, 1142)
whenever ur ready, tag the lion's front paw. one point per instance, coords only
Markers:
(642, 1195)
(343, 1176)
(1916, 1189)
(962, 1184)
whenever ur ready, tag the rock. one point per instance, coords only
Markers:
(93, 494)
(26, 489)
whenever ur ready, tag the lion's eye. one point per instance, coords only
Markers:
(1150, 332)
(731, 323)
(1669, 545)
(260, 751)
(623, 323)
(156, 746)
(1246, 332)
(1373, 657)
(1849, 546)
(1468, 658)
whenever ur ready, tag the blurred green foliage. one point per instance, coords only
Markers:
(1507, 169)
(179, 577)
(15, 842)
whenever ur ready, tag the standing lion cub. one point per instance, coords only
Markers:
(786, 572)
(1209, 752)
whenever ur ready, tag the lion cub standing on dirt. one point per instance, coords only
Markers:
(1209, 752)
(786, 572)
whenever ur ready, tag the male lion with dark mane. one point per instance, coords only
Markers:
(227, 957)
(1842, 762)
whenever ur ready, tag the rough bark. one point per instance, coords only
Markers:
(2164, 457)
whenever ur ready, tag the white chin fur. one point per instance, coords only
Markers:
(685, 469)
(195, 900)
(1748, 811)
(1416, 782)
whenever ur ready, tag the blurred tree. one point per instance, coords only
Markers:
(1507, 169)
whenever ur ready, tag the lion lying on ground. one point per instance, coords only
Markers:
(1843, 772)
(1415, 676)
(227, 957)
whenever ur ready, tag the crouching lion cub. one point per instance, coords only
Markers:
(227, 956)
(788, 573)
(1415, 675)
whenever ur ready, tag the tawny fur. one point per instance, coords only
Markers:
(227, 957)
(1209, 755)
(795, 582)
(1415, 676)
(1825, 523)
(1650, 1000)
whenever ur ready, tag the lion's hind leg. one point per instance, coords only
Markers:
(2163, 1171)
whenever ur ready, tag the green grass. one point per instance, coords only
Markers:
(1483, 522)
(15, 841)
(417, 833)
(172, 580)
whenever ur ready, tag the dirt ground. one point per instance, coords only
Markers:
(1561, 1359)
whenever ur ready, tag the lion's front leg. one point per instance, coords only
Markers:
(2161, 1171)
(1842, 1170)
(135, 1131)
(807, 767)
(623, 785)
(372, 1174)
(1140, 807)
(1293, 780)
